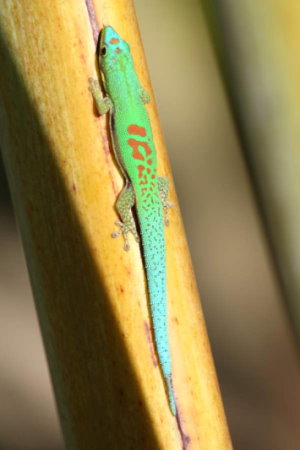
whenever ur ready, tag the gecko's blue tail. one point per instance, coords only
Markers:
(153, 239)
(158, 305)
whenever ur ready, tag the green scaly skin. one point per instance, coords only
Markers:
(144, 189)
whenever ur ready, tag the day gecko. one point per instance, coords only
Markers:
(136, 156)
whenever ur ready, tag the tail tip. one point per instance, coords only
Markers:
(171, 395)
(173, 405)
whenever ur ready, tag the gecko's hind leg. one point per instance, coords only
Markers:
(124, 204)
(163, 187)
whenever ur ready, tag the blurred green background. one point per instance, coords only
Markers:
(251, 338)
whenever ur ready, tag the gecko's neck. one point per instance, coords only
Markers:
(121, 82)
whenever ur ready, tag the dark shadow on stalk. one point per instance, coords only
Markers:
(82, 338)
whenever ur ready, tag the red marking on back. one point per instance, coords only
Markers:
(135, 146)
(135, 129)
(114, 41)
(118, 50)
(145, 180)
(141, 170)
(149, 161)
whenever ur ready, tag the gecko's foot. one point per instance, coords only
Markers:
(125, 229)
(145, 96)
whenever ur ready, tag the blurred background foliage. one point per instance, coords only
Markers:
(214, 108)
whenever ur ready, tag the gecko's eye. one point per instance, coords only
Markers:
(103, 51)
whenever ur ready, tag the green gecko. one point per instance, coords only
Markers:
(136, 156)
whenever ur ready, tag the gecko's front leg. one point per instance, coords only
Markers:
(104, 104)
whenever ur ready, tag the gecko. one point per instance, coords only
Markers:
(144, 190)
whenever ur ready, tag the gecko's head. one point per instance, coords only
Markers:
(112, 48)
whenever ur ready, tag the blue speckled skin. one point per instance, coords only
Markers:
(135, 152)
